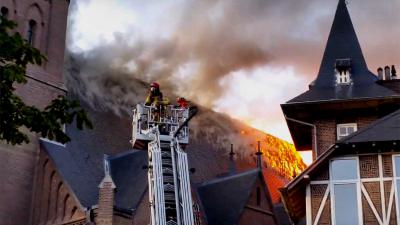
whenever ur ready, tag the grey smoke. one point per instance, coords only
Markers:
(211, 39)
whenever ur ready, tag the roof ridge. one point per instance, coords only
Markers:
(229, 177)
(123, 154)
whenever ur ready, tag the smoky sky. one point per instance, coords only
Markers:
(191, 46)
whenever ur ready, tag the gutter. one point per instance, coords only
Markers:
(315, 132)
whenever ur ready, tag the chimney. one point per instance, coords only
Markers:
(106, 197)
(380, 73)
(259, 156)
(232, 165)
(387, 73)
(394, 75)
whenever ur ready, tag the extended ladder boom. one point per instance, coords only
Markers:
(168, 175)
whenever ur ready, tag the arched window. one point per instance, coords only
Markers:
(65, 207)
(4, 12)
(31, 31)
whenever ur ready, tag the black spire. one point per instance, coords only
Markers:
(343, 44)
(343, 54)
(259, 156)
(232, 165)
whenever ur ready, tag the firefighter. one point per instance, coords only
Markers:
(182, 103)
(155, 96)
(155, 99)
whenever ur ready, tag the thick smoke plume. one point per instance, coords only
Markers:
(191, 46)
(200, 42)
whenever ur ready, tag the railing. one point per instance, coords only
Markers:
(168, 119)
(156, 184)
(183, 181)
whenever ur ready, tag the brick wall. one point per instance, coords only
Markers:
(52, 202)
(258, 209)
(118, 220)
(142, 213)
(106, 202)
(51, 20)
(327, 133)
(17, 163)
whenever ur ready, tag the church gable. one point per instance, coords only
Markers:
(53, 201)
(259, 208)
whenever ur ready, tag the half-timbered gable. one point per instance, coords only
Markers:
(354, 182)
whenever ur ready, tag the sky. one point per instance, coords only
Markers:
(241, 58)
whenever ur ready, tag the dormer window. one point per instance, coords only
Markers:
(343, 71)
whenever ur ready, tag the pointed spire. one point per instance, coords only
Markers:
(342, 44)
(259, 156)
(106, 196)
(107, 173)
(232, 164)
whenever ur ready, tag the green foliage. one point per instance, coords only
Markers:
(15, 54)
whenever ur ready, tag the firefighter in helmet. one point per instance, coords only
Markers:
(155, 96)
(157, 101)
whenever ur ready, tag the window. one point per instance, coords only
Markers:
(4, 12)
(343, 77)
(345, 191)
(343, 68)
(344, 169)
(31, 31)
(346, 204)
(345, 129)
(258, 196)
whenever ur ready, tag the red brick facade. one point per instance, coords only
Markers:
(53, 201)
(18, 162)
(327, 129)
(258, 209)
(106, 202)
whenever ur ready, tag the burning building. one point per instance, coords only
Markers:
(350, 119)
(99, 178)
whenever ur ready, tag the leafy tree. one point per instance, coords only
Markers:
(15, 54)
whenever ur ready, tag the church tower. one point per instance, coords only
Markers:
(43, 24)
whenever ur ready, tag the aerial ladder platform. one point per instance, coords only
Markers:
(165, 131)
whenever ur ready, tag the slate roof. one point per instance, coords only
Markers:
(130, 178)
(343, 44)
(74, 174)
(80, 162)
(385, 129)
(223, 199)
(126, 170)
